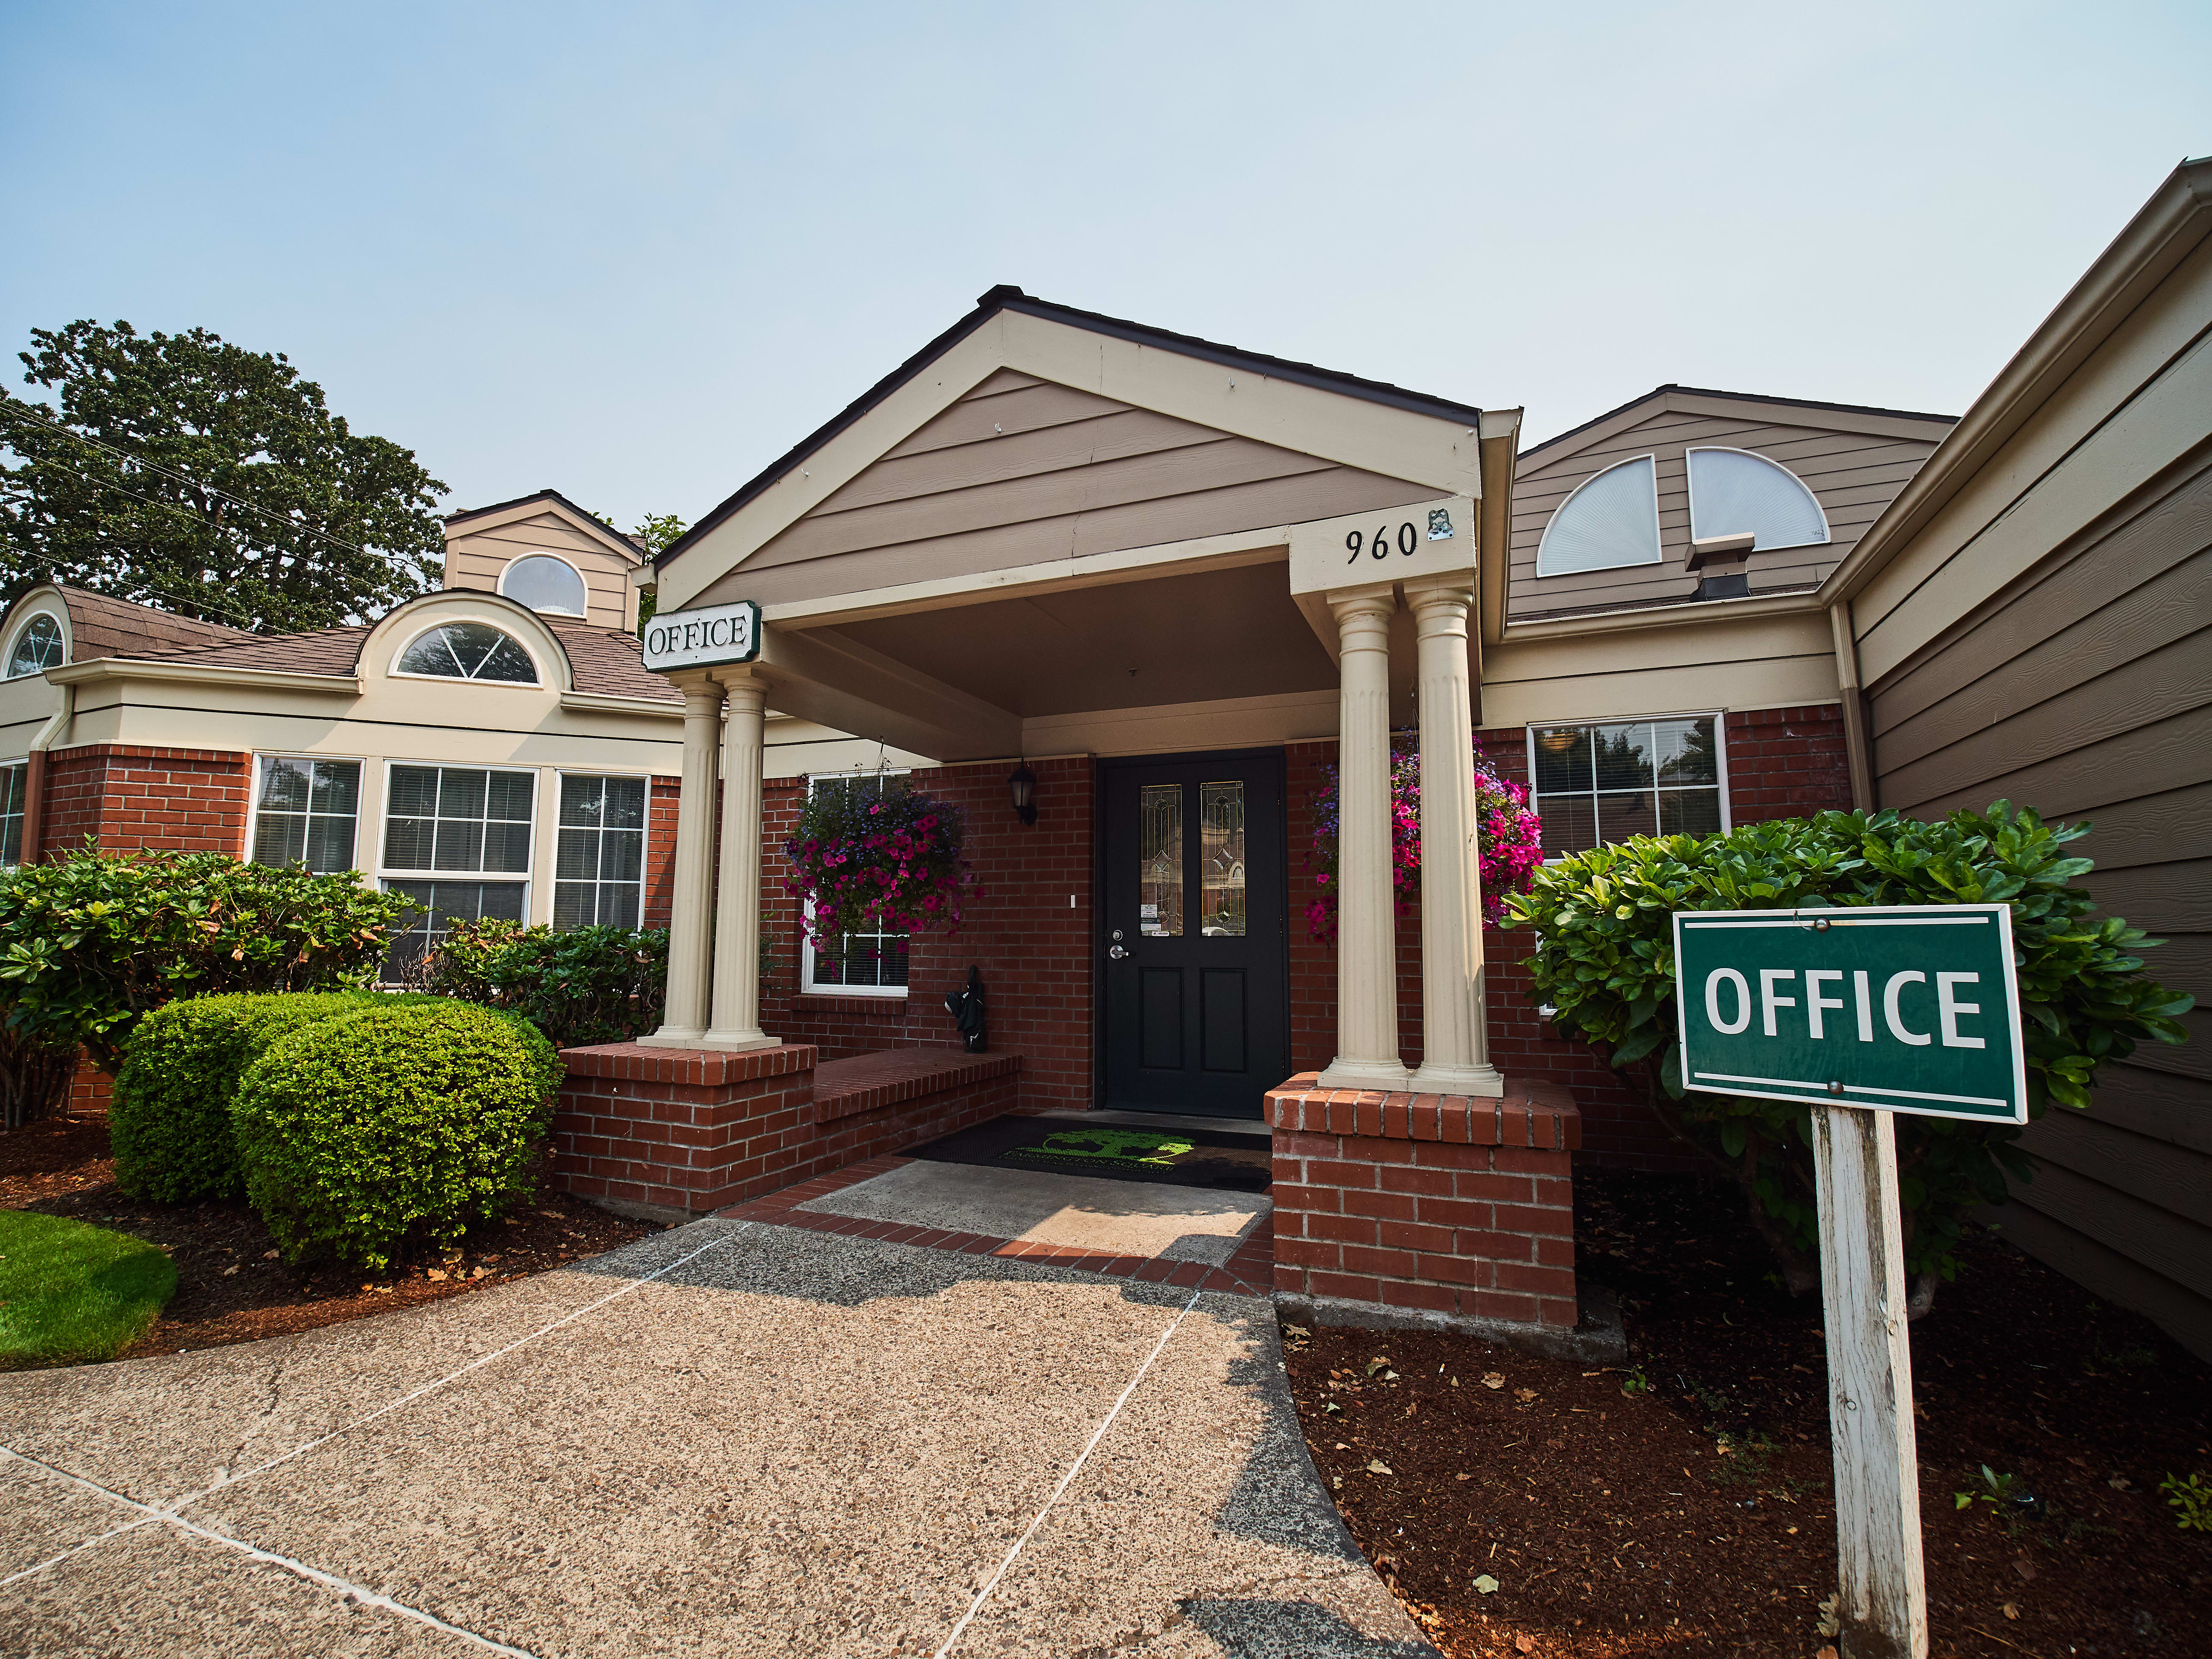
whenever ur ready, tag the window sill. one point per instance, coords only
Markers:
(836, 1001)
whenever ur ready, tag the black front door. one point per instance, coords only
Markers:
(1197, 1000)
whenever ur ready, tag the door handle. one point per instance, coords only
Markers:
(1116, 952)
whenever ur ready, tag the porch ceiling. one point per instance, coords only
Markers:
(1188, 638)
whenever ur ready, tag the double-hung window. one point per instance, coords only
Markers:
(863, 964)
(598, 858)
(14, 776)
(1608, 781)
(457, 842)
(305, 811)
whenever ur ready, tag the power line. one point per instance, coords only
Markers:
(19, 408)
(41, 558)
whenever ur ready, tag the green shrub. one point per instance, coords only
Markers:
(71, 1292)
(366, 1132)
(90, 945)
(583, 985)
(169, 1121)
(1605, 962)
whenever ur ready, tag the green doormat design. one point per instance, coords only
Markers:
(1180, 1158)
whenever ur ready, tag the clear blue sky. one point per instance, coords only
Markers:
(636, 251)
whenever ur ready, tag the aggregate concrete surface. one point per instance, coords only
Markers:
(732, 1438)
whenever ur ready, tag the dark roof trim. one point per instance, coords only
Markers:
(1740, 397)
(625, 543)
(1005, 297)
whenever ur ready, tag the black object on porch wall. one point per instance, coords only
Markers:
(1193, 965)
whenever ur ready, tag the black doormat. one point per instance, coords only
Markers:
(1175, 1157)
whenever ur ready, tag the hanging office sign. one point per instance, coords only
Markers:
(1389, 544)
(1899, 1008)
(707, 638)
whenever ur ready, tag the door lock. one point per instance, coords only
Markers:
(1117, 953)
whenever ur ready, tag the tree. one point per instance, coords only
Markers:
(659, 531)
(184, 472)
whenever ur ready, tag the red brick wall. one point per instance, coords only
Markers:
(188, 800)
(664, 796)
(1033, 949)
(1783, 762)
(1422, 1203)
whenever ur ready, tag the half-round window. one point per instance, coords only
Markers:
(469, 651)
(37, 647)
(1732, 491)
(1611, 520)
(545, 583)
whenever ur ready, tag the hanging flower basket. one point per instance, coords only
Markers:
(886, 862)
(1509, 844)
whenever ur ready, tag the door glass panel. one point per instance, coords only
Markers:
(1221, 859)
(1159, 857)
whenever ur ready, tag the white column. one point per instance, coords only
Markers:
(1366, 943)
(735, 1021)
(1455, 1048)
(685, 1020)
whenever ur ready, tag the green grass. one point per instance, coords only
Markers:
(70, 1292)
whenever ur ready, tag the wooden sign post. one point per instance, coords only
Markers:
(1860, 1013)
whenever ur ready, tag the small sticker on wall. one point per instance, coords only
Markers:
(1149, 912)
(1440, 524)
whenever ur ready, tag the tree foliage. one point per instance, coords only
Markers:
(1605, 962)
(185, 473)
(580, 987)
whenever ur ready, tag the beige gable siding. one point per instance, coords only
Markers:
(1022, 470)
(2084, 690)
(474, 562)
(1852, 474)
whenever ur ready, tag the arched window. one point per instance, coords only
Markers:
(1732, 491)
(1611, 520)
(545, 583)
(37, 647)
(468, 651)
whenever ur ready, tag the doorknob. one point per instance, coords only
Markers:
(1117, 953)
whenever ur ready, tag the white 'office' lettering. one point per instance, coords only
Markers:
(1889, 995)
(1713, 1001)
(1865, 998)
(1948, 1008)
(1768, 1002)
(1814, 1001)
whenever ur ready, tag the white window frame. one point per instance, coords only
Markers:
(23, 816)
(537, 663)
(60, 620)
(553, 818)
(1689, 485)
(382, 874)
(1658, 531)
(547, 553)
(1718, 716)
(253, 796)
(807, 985)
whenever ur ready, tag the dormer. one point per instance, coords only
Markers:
(545, 552)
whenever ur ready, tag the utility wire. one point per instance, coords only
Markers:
(166, 593)
(18, 408)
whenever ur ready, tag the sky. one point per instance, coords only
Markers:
(635, 252)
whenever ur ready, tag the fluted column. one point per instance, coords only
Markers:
(1366, 944)
(735, 1021)
(1455, 1048)
(683, 1022)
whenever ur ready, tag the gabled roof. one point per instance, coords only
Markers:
(1005, 297)
(628, 544)
(1659, 394)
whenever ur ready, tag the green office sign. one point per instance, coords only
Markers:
(1899, 1008)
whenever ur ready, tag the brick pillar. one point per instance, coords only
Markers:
(676, 1133)
(1454, 1211)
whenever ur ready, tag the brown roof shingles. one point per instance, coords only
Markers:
(103, 626)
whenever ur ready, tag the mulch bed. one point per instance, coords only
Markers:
(1684, 1505)
(231, 1288)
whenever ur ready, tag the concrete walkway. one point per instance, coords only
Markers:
(739, 1437)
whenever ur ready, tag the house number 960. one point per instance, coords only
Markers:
(1408, 539)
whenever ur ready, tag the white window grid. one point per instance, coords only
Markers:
(394, 877)
(1720, 786)
(14, 778)
(537, 660)
(597, 881)
(875, 941)
(253, 807)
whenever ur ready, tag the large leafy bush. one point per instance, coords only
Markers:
(400, 1124)
(169, 1121)
(585, 986)
(90, 945)
(1605, 962)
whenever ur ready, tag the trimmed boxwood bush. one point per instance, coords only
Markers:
(169, 1121)
(401, 1123)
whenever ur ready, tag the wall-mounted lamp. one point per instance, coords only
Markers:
(1022, 786)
